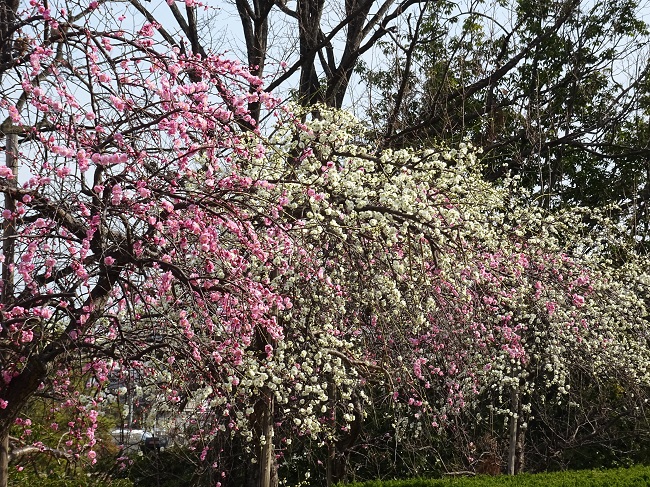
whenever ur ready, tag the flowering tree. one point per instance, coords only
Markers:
(269, 276)
(122, 210)
(445, 288)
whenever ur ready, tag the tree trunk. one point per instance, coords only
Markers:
(255, 23)
(513, 429)
(4, 458)
(268, 476)
(331, 458)
(8, 245)
(338, 451)
(331, 444)
(266, 473)
(521, 436)
(517, 436)
(309, 17)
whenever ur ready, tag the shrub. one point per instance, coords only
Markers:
(622, 477)
(24, 479)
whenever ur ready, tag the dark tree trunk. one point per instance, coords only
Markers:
(513, 430)
(268, 476)
(309, 18)
(4, 458)
(255, 23)
(8, 249)
(517, 434)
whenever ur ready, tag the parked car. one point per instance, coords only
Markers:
(146, 440)
(152, 442)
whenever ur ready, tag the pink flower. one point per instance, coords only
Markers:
(148, 30)
(578, 300)
(63, 171)
(116, 194)
(109, 260)
(6, 172)
(15, 116)
(550, 307)
(118, 103)
(27, 336)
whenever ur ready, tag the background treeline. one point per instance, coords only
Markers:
(556, 93)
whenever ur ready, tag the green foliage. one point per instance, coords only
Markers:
(178, 467)
(569, 116)
(48, 426)
(61, 462)
(636, 476)
(601, 424)
(169, 468)
(30, 479)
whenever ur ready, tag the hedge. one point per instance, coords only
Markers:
(623, 477)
